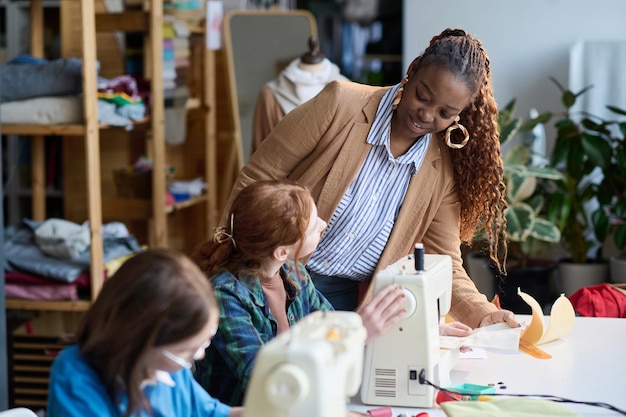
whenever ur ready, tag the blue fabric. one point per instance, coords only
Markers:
(75, 391)
(245, 325)
(358, 230)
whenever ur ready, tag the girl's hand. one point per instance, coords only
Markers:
(384, 310)
(454, 329)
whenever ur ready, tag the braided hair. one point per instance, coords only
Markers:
(478, 167)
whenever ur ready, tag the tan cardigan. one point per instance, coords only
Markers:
(322, 145)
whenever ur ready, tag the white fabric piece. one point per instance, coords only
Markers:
(497, 336)
(43, 111)
(294, 86)
(62, 239)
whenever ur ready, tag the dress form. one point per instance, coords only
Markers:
(300, 81)
(313, 60)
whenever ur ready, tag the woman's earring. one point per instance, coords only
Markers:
(398, 97)
(449, 131)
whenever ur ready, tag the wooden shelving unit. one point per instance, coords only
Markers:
(86, 25)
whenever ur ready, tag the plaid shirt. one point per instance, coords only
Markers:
(245, 325)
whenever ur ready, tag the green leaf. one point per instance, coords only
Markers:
(601, 225)
(530, 124)
(544, 172)
(617, 110)
(620, 236)
(560, 151)
(520, 219)
(568, 99)
(575, 161)
(537, 202)
(558, 84)
(545, 231)
(598, 150)
(519, 155)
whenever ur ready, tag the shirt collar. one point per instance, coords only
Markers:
(379, 134)
(254, 285)
(159, 376)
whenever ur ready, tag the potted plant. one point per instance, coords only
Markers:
(610, 218)
(528, 231)
(584, 143)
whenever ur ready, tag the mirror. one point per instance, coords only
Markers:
(257, 46)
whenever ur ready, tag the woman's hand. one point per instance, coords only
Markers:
(384, 310)
(500, 316)
(454, 329)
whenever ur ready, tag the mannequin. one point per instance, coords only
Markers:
(300, 81)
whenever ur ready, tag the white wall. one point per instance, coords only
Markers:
(526, 40)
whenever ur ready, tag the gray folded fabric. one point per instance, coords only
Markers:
(60, 77)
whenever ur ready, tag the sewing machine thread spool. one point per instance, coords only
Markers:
(418, 255)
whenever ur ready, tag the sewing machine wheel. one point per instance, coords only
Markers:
(287, 385)
(410, 303)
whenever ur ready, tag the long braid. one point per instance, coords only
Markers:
(478, 167)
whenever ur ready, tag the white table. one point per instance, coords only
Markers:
(589, 364)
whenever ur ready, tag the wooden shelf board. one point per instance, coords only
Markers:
(43, 130)
(37, 305)
(128, 21)
(59, 130)
(187, 203)
(30, 402)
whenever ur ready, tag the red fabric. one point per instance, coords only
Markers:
(602, 300)
(16, 277)
(381, 412)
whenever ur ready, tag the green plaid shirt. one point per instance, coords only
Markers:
(245, 325)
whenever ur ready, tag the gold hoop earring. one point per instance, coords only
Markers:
(450, 129)
(398, 96)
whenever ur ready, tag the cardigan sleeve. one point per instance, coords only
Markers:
(468, 304)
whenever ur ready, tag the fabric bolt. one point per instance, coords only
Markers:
(75, 390)
(246, 324)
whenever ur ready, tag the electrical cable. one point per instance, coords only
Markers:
(450, 394)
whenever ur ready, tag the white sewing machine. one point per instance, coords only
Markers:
(311, 370)
(394, 360)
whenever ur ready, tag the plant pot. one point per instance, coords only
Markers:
(618, 269)
(533, 279)
(478, 269)
(574, 276)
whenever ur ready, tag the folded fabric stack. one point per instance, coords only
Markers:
(175, 78)
(50, 260)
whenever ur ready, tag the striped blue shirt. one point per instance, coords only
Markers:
(360, 226)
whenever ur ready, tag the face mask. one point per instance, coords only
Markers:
(185, 363)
